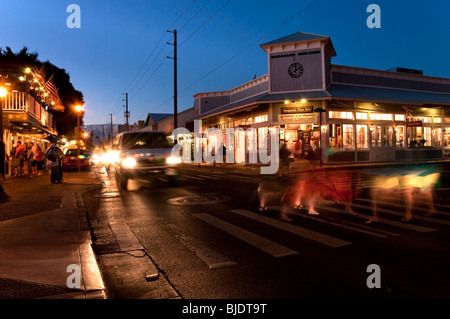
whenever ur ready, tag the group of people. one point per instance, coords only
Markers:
(27, 160)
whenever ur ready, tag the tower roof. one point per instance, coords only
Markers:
(296, 37)
(302, 37)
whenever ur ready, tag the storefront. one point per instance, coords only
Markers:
(336, 113)
(26, 112)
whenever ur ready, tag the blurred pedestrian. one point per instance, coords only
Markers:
(284, 161)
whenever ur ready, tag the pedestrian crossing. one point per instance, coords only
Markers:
(214, 177)
(333, 228)
(331, 215)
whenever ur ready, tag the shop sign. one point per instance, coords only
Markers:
(17, 117)
(296, 110)
(414, 124)
(299, 118)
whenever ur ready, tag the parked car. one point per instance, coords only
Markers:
(70, 159)
(144, 155)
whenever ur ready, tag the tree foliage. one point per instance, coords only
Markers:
(65, 120)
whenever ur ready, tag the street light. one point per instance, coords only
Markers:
(3, 93)
(78, 109)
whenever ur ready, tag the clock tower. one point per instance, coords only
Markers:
(299, 62)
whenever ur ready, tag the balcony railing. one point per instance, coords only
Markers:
(21, 102)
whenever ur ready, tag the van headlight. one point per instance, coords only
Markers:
(129, 162)
(173, 160)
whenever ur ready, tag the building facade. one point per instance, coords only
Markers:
(26, 110)
(335, 113)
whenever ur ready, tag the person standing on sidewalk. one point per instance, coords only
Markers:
(53, 154)
(20, 154)
(32, 159)
(2, 165)
(39, 160)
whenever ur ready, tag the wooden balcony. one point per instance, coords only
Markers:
(22, 113)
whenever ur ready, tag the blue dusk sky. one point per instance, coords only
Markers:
(122, 45)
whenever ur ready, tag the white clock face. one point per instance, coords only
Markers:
(295, 70)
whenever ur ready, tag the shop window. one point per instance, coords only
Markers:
(424, 119)
(340, 115)
(361, 116)
(420, 136)
(399, 117)
(380, 116)
(361, 136)
(261, 118)
(437, 120)
(341, 136)
(447, 136)
(400, 136)
(263, 138)
(437, 134)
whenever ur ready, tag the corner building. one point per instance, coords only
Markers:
(335, 113)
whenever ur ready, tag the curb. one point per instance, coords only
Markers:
(88, 258)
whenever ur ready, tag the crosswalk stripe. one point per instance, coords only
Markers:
(213, 259)
(194, 177)
(300, 231)
(427, 219)
(382, 220)
(262, 243)
(205, 176)
(423, 209)
(355, 227)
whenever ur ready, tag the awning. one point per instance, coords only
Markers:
(372, 94)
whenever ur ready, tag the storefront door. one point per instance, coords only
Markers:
(382, 143)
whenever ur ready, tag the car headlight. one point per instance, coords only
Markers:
(173, 160)
(129, 162)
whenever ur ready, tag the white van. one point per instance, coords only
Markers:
(143, 155)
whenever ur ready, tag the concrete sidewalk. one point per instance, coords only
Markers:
(45, 240)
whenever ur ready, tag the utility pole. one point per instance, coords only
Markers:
(175, 106)
(127, 114)
(111, 129)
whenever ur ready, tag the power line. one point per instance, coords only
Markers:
(149, 56)
(154, 49)
(204, 23)
(195, 14)
(201, 26)
(240, 52)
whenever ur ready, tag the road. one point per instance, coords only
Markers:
(205, 238)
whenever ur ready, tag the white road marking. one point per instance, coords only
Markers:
(209, 176)
(125, 237)
(382, 220)
(255, 240)
(397, 213)
(300, 231)
(213, 259)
